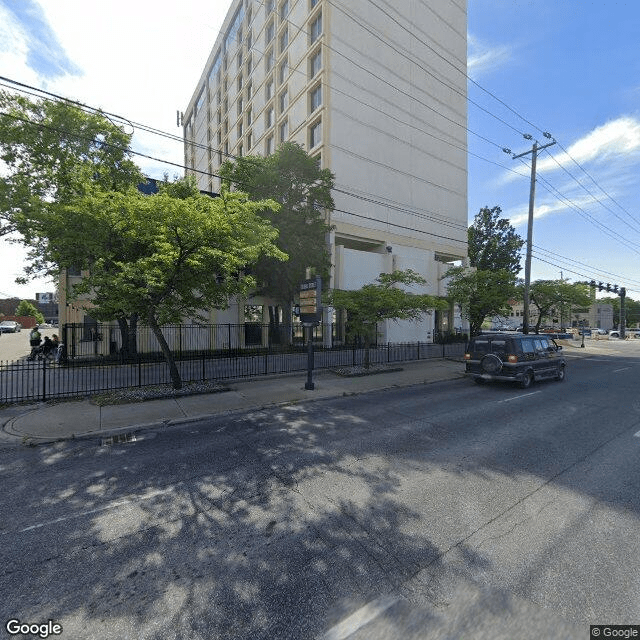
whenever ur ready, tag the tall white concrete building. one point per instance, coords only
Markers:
(377, 91)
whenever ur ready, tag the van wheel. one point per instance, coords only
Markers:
(562, 375)
(527, 379)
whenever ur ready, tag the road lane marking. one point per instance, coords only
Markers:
(524, 395)
(89, 512)
(360, 618)
(623, 369)
(637, 435)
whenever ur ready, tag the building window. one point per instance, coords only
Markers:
(249, 116)
(284, 101)
(314, 3)
(270, 5)
(315, 63)
(239, 60)
(219, 137)
(315, 134)
(283, 71)
(268, 118)
(240, 150)
(268, 145)
(284, 9)
(224, 85)
(268, 89)
(316, 28)
(226, 127)
(240, 132)
(240, 82)
(249, 90)
(240, 106)
(269, 60)
(315, 98)
(249, 140)
(284, 40)
(270, 32)
(219, 117)
(249, 40)
(284, 130)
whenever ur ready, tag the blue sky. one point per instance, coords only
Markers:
(568, 67)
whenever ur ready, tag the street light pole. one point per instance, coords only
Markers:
(532, 196)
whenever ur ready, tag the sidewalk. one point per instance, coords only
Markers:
(47, 422)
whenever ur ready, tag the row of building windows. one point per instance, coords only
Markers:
(220, 64)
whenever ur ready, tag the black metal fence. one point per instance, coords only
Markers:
(93, 340)
(23, 380)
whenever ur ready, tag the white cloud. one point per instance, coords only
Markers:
(617, 139)
(482, 58)
(140, 59)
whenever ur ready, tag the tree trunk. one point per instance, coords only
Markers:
(129, 334)
(176, 381)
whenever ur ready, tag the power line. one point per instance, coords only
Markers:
(207, 173)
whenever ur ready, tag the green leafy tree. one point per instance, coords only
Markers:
(53, 152)
(481, 293)
(493, 242)
(161, 257)
(494, 254)
(548, 296)
(26, 308)
(385, 300)
(295, 181)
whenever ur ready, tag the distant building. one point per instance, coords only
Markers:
(597, 316)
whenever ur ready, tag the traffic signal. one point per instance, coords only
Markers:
(593, 284)
(600, 286)
(608, 287)
(615, 288)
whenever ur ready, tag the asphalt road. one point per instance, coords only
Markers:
(439, 511)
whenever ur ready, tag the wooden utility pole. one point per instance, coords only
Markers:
(532, 196)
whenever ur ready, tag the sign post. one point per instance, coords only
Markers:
(310, 313)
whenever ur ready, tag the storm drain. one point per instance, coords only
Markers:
(120, 438)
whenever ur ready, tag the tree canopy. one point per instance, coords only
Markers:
(494, 255)
(162, 257)
(384, 300)
(26, 308)
(296, 182)
(481, 293)
(493, 242)
(551, 296)
(55, 151)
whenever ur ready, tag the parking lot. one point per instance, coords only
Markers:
(14, 346)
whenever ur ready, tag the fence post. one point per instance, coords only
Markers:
(229, 328)
(443, 350)
(266, 362)
(44, 379)
(354, 354)
(418, 349)
(139, 371)
(204, 373)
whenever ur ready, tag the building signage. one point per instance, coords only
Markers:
(310, 302)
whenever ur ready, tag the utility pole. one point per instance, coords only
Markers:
(532, 197)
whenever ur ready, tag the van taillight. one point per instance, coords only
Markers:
(467, 356)
(512, 358)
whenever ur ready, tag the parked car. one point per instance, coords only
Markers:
(10, 326)
(514, 358)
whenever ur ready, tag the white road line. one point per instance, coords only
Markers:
(113, 505)
(637, 435)
(360, 618)
(524, 395)
(623, 369)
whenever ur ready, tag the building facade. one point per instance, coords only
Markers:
(377, 92)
